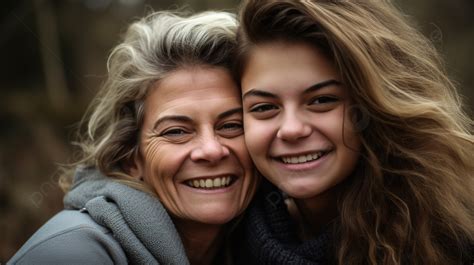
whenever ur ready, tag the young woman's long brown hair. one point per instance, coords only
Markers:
(410, 201)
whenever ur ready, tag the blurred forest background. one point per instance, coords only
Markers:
(53, 60)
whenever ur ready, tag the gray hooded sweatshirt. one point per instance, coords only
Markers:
(105, 222)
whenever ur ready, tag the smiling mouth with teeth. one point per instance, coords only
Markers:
(302, 158)
(210, 183)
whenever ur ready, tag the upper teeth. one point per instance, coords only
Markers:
(302, 158)
(209, 182)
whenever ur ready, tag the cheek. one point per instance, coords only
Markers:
(250, 182)
(162, 164)
(258, 137)
(338, 127)
(351, 134)
(349, 144)
(238, 147)
(352, 153)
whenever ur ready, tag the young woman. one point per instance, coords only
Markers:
(163, 168)
(360, 134)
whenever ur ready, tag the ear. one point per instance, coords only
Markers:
(134, 165)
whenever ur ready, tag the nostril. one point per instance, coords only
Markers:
(210, 151)
(293, 131)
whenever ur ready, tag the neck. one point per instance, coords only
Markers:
(201, 241)
(313, 214)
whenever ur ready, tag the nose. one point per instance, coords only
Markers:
(293, 128)
(209, 149)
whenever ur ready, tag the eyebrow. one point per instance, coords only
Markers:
(228, 113)
(321, 85)
(182, 118)
(258, 93)
(178, 118)
(265, 94)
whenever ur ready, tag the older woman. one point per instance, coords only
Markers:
(163, 168)
(360, 134)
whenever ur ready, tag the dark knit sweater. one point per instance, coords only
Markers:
(268, 235)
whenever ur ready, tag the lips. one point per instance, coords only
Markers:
(304, 158)
(216, 182)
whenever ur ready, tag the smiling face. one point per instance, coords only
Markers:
(192, 149)
(297, 127)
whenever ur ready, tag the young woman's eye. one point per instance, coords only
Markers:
(323, 100)
(263, 108)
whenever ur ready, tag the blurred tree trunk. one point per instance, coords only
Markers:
(56, 86)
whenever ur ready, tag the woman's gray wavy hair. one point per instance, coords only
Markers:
(152, 47)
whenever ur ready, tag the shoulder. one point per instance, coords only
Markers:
(70, 237)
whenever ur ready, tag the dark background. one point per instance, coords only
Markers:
(53, 60)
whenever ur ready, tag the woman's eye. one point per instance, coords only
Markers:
(231, 129)
(263, 108)
(232, 126)
(323, 100)
(174, 132)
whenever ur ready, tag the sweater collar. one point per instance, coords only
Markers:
(137, 220)
(272, 237)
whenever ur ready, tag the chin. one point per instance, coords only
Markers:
(216, 220)
(301, 190)
(216, 217)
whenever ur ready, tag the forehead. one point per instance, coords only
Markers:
(297, 64)
(194, 86)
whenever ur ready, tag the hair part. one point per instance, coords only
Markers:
(152, 48)
(410, 197)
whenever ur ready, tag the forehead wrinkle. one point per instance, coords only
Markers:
(180, 80)
(174, 103)
(196, 109)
